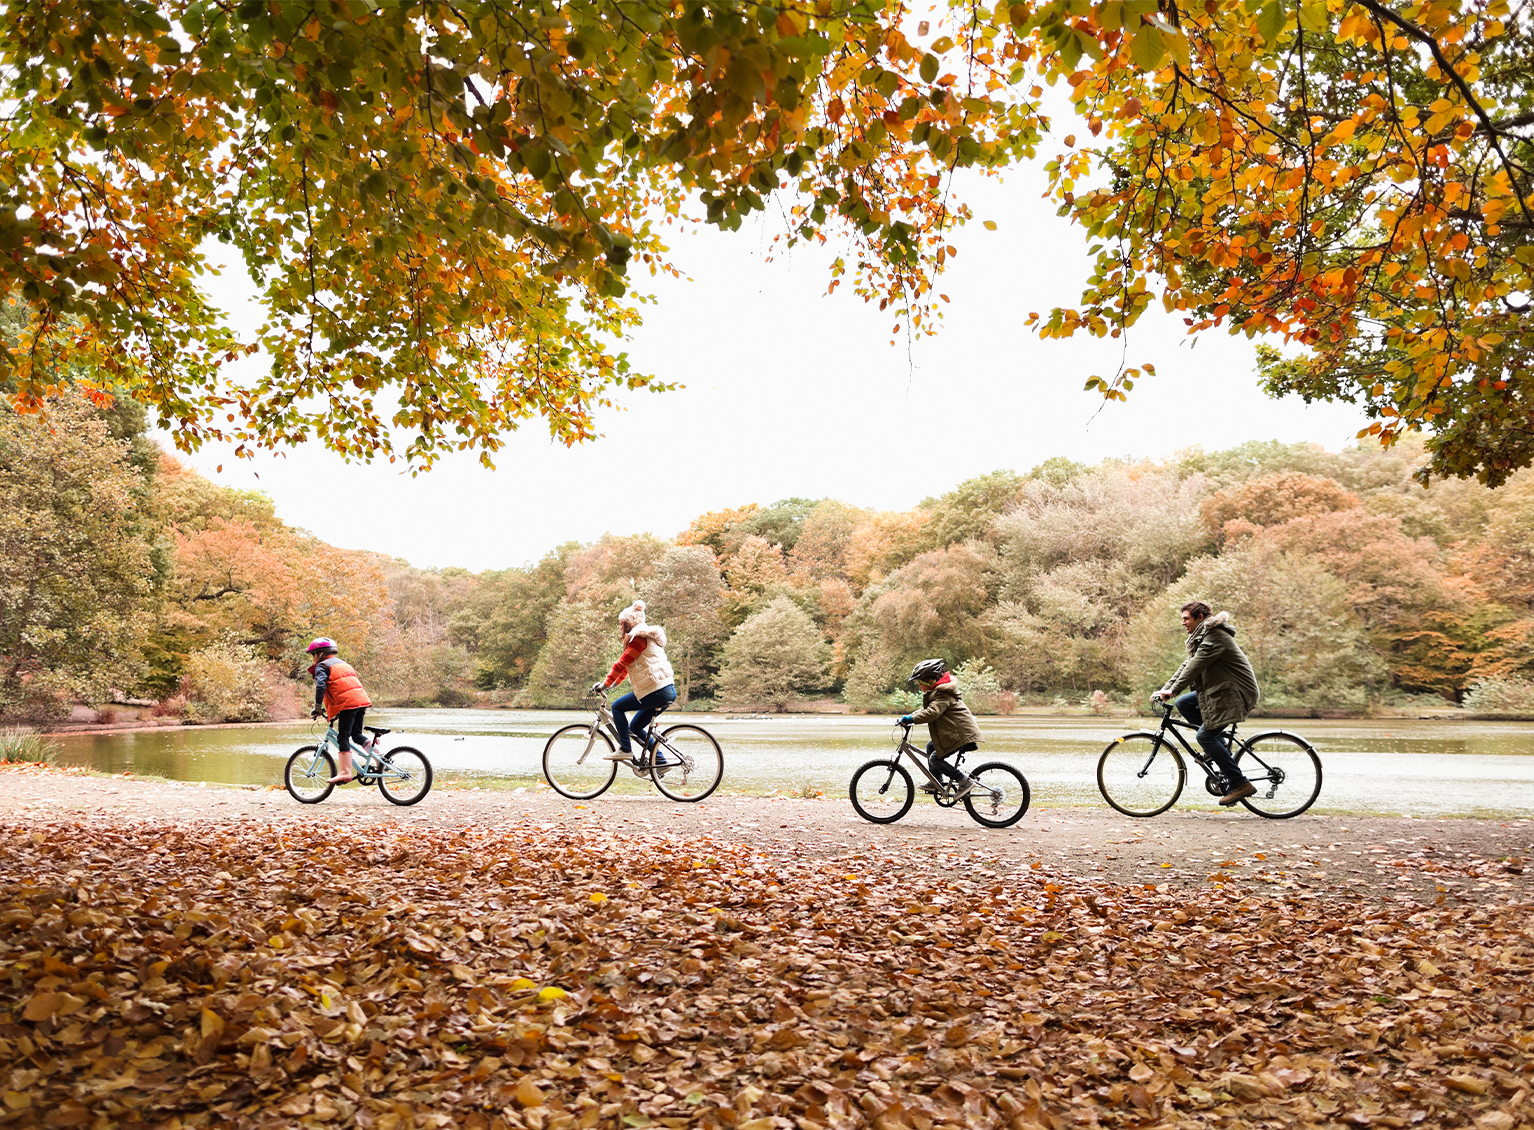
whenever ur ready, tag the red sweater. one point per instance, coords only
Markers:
(631, 651)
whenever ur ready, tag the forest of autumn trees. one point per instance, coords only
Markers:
(128, 575)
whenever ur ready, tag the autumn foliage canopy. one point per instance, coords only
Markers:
(441, 203)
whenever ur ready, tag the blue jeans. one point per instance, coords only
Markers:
(645, 709)
(1213, 741)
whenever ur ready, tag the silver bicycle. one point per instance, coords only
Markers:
(402, 774)
(882, 790)
(579, 759)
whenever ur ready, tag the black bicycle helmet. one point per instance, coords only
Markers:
(927, 671)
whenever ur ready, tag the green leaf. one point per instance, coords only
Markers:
(1270, 21)
(928, 67)
(1313, 16)
(1148, 48)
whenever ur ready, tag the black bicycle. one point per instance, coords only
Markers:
(882, 790)
(1143, 774)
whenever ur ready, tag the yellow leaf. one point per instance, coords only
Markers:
(551, 993)
(528, 1094)
(522, 984)
(212, 1023)
(990, 225)
(598, 897)
(42, 1006)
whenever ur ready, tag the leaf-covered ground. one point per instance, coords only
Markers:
(1383, 858)
(255, 973)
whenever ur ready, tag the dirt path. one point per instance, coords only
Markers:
(1380, 858)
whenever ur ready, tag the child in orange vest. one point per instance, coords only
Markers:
(338, 695)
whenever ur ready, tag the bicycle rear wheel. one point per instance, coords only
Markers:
(1141, 774)
(307, 775)
(575, 761)
(702, 765)
(405, 776)
(882, 791)
(1000, 796)
(1285, 770)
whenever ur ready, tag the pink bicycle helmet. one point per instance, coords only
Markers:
(322, 644)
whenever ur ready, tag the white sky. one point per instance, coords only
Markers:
(790, 392)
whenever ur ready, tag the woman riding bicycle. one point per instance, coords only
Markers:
(645, 665)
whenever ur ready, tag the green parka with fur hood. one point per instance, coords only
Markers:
(948, 720)
(1219, 671)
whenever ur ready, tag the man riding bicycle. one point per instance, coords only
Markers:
(1224, 690)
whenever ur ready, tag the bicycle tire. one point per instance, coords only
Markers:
(697, 780)
(1138, 778)
(391, 759)
(1279, 751)
(574, 761)
(879, 807)
(319, 784)
(1002, 814)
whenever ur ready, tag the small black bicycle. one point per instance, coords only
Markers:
(1143, 774)
(882, 791)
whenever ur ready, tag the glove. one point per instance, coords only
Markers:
(316, 714)
(905, 720)
(597, 687)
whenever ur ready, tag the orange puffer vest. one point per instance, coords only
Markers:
(344, 690)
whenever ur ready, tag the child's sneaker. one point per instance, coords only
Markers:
(963, 789)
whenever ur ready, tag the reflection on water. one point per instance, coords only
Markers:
(1424, 768)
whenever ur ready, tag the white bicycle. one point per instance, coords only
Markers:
(577, 760)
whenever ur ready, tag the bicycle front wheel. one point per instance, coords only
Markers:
(307, 775)
(575, 761)
(406, 775)
(702, 765)
(1000, 796)
(1285, 770)
(882, 791)
(1141, 774)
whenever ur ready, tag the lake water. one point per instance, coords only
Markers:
(1394, 766)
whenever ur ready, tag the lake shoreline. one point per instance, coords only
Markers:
(68, 729)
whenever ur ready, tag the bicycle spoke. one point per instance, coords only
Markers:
(1140, 774)
(1000, 796)
(1285, 770)
(881, 791)
(575, 761)
(697, 763)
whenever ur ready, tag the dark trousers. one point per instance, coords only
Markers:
(644, 710)
(1213, 741)
(348, 725)
(939, 764)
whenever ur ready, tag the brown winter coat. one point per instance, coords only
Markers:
(1219, 671)
(948, 720)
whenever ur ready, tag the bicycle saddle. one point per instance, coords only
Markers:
(376, 731)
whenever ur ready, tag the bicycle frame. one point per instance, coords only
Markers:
(919, 757)
(375, 764)
(604, 721)
(1212, 772)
